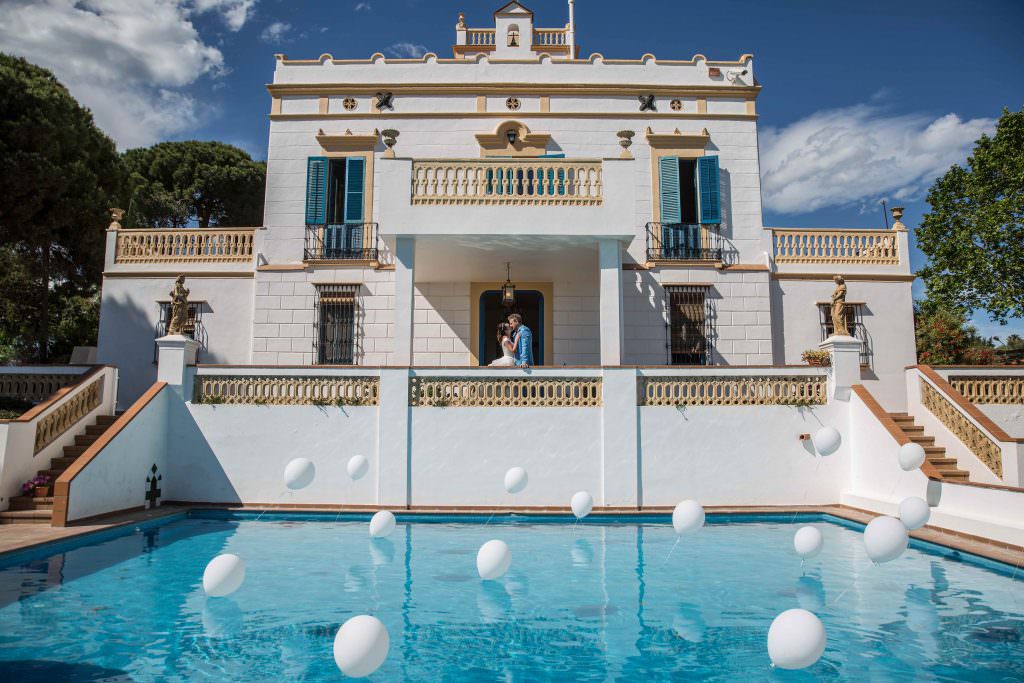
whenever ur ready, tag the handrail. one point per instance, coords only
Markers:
(526, 181)
(800, 245)
(200, 245)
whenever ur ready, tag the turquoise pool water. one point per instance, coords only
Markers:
(590, 602)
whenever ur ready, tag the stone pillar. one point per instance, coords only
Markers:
(405, 257)
(393, 415)
(620, 451)
(610, 265)
(176, 353)
(845, 371)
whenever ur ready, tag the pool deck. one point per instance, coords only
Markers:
(15, 537)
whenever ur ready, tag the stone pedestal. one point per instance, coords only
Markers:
(176, 353)
(845, 371)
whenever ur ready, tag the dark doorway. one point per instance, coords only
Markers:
(529, 304)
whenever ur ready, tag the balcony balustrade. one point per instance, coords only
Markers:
(868, 247)
(345, 242)
(682, 242)
(200, 245)
(507, 181)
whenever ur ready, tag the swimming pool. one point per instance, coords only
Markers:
(602, 600)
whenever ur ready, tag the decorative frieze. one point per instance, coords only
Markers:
(497, 392)
(877, 247)
(982, 390)
(286, 390)
(203, 245)
(969, 434)
(512, 182)
(733, 391)
(69, 411)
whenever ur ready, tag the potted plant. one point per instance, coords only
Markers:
(37, 487)
(815, 357)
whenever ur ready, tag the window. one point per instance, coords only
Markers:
(688, 325)
(335, 190)
(854, 323)
(689, 197)
(513, 35)
(334, 328)
(193, 330)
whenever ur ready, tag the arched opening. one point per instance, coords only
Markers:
(513, 35)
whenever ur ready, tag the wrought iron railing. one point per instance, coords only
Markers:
(194, 328)
(682, 242)
(344, 242)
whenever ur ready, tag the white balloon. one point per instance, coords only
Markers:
(826, 440)
(361, 646)
(516, 480)
(687, 517)
(914, 512)
(382, 524)
(807, 541)
(582, 503)
(493, 559)
(796, 639)
(223, 575)
(885, 539)
(299, 473)
(358, 466)
(911, 456)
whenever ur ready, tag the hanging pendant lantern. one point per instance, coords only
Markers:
(508, 290)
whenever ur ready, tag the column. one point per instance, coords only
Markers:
(393, 438)
(610, 265)
(845, 369)
(405, 256)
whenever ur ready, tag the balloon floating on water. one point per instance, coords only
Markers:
(914, 512)
(582, 503)
(382, 524)
(223, 575)
(358, 466)
(796, 639)
(687, 517)
(885, 539)
(826, 440)
(911, 456)
(516, 480)
(807, 541)
(361, 646)
(299, 473)
(493, 559)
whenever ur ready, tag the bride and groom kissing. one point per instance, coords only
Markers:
(516, 341)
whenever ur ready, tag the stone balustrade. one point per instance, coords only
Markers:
(549, 37)
(499, 392)
(480, 36)
(733, 391)
(869, 247)
(201, 245)
(990, 389)
(70, 409)
(952, 418)
(287, 390)
(507, 181)
(34, 387)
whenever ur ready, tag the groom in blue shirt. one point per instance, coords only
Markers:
(523, 341)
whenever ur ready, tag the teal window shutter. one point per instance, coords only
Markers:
(668, 189)
(355, 179)
(316, 190)
(708, 182)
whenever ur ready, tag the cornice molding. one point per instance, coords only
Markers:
(748, 92)
(677, 140)
(348, 142)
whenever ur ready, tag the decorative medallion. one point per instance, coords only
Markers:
(647, 103)
(385, 100)
(513, 103)
(677, 105)
(349, 103)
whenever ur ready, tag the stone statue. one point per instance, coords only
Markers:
(839, 308)
(179, 308)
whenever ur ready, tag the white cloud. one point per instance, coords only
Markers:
(406, 50)
(129, 61)
(860, 154)
(363, 7)
(276, 32)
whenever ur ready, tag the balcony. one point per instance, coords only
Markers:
(864, 247)
(548, 182)
(346, 242)
(682, 242)
(200, 245)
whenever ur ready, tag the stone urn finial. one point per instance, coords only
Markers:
(461, 26)
(625, 140)
(115, 218)
(897, 214)
(390, 136)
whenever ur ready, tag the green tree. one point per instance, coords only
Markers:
(944, 337)
(974, 234)
(60, 175)
(177, 184)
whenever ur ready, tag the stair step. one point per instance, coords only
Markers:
(86, 439)
(31, 503)
(923, 440)
(106, 419)
(95, 430)
(934, 450)
(52, 474)
(912, 428)
(896, 415)
(942, 462)
(957, 475)
(74, 451)
(62, 463)
(26, 517)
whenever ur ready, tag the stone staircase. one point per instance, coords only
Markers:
(31, 510)
(936, 455)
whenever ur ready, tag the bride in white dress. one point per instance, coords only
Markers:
(508, 358)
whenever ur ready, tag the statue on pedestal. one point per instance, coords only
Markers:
(839, 308)
(178, 324)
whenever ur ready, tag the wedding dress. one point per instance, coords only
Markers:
(508, 358)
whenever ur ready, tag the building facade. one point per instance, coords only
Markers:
(620, 197)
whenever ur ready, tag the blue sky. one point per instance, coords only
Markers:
(862, 100)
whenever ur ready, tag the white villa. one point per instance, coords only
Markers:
(616, 205)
